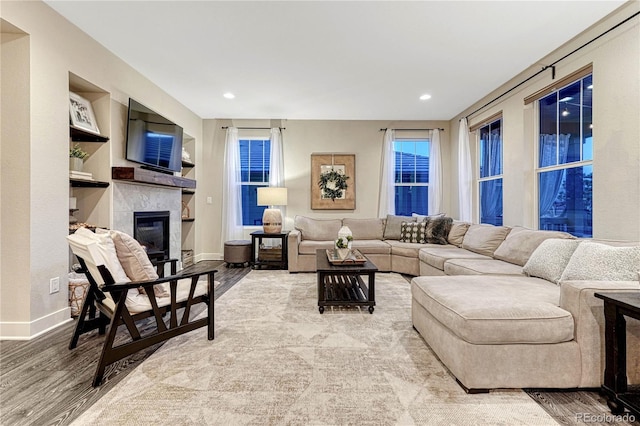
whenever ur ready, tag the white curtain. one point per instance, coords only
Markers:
(276, 160)
(232, 189)
(386, 199)
(464, 173)
(553, 150)
(435, 174)
(276, 165)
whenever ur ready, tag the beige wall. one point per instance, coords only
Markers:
(616, 130)
(300, 139)
(35, 190)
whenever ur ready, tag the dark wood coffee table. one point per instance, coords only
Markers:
(343, 285)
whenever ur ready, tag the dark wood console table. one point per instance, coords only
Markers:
(616, 307)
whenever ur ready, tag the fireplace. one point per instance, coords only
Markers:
(151, 230)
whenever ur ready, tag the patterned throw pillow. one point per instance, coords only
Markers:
(437, 230)
(412, 232)
(549, 260)
(601, 262)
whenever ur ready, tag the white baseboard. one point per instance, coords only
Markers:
(209, 256)
(31, 330)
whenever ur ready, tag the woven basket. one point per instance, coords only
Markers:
(78, 286)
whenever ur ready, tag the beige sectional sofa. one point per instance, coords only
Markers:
(502, 307)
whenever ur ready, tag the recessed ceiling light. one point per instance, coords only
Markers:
(229, 95)
(425, 97)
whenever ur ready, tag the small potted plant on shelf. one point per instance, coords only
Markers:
(76, 158)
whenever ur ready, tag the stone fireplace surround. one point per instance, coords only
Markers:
(133, 197)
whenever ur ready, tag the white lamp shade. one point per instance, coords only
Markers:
(272, 218)
(272, 196)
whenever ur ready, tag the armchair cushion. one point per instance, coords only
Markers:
(136, 263)
(107, 251)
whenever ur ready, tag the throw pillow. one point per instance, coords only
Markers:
(424, 218)
(392, 226)
(412, 232)
(549, 260)
(600, 262)
(107, 249)
(457, 232)
(437, 230)
(136, 263)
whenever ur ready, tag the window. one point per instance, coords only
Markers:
(411, 176)
(565, 159)
(254, 173)
(490, 172)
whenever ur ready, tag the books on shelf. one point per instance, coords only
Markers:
(74, 174)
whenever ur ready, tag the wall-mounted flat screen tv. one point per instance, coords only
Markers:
(153, 140)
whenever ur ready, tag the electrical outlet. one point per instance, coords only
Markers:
(209, 200)
(54, 285)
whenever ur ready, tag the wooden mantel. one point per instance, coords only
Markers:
(150, 177)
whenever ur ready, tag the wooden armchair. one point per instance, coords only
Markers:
(125, 288)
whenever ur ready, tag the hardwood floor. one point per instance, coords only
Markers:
(42, 382)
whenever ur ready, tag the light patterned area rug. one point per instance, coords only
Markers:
(277, 361)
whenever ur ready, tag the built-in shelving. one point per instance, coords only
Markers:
(85, 183)
(189, 195)
(93, 201)
(79, 135)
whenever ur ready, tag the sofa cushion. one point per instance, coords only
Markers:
(550, 259)
(372, 246)
(399, 248)
(484, 239)
(317, 229)
(494, 309)
(600, 262)
(437, 230)
(438, 255)
(480, 266)
(412, 232)
(310, 246)
(521, 242)
(393, 224)
(365, 229)
(457, 231)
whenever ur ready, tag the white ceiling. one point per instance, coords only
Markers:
(356, 60)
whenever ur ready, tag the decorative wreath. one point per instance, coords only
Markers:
(332, 183)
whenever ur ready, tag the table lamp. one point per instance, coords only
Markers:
(272, 218)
